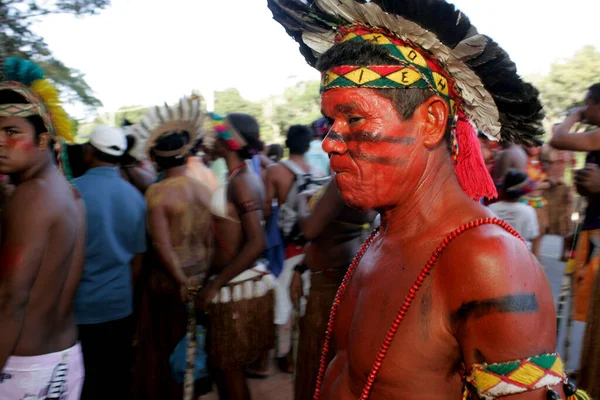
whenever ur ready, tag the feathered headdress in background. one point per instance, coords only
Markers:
(27, 79)
(437, 48)
(187, 115)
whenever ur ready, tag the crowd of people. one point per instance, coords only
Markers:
(389, 251)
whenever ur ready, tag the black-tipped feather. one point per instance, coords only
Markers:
(518, 102)
(437, 16)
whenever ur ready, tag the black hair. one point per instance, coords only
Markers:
(9, 96)
(196, 147)
(170, 141)
(275, 152)
(512, 178)
(363, 54)
(74, 154)
(594, 91)
(103, 157)
(298, 139)
(126, 158)
(248, 127)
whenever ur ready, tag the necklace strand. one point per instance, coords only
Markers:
(235, 170)
(412, 292)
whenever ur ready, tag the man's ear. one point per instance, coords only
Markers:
(44, 141)
(432, 116)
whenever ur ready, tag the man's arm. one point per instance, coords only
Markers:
(248, 201)
(327, 208)
(499, 304)
(563, 140)
(26, 224)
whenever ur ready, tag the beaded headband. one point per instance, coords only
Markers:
(27, 79)
(34, 106)
(416, 68)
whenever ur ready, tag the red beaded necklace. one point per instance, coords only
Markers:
(235, 170)
(412, 292)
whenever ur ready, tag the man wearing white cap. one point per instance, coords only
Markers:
(116, 240)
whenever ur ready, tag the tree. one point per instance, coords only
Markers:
(566, 84)
(17, 39)
(230, 100)
(301, 104)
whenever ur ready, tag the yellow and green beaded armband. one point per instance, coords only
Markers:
(492, 381)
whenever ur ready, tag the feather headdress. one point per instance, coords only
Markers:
(27, 79)
(187, 115)
(490, 93)
(495, 98)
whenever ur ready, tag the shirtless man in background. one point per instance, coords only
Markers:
(237, 336)
(41, 259)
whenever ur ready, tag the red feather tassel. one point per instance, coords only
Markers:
(470, 169)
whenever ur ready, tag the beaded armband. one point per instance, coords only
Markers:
(248, 206)
(491, 381)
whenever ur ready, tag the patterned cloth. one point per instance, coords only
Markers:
(50, 376)
(587, 260)
(504, 379)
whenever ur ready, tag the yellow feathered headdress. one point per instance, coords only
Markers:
(27, 79)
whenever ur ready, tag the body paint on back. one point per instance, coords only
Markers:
(11, 258)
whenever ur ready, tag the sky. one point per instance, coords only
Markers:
(147, 52)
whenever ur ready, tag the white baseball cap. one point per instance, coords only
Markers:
(109, 140)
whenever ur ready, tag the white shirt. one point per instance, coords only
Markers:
(520, 216)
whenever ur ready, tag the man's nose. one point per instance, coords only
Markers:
(334, 142)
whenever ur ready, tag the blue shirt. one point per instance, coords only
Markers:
(116, 231)
(317, 157)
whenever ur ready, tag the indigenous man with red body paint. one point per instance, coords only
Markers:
(42, 245)
(444, 301)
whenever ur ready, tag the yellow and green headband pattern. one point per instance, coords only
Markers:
(415, 69)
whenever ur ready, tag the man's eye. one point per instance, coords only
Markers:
(11, 132)
(354, 120)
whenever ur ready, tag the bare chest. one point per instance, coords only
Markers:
(422, 349)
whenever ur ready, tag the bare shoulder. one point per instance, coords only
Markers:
(156, 195)
(498, 303)
(30, 195)
(489, 262)
(274, 170)
(246, 186)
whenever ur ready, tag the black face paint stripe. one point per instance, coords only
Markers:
(368, 137)
(357, 155)
(517, 303)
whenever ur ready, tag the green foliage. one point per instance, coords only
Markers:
(301, 105)
(230, 100)
(18, 40)
(298, 104)
(133, 114)
(566, 84)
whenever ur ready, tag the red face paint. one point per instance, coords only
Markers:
(373, 151)
(19, 144)
(11, 258)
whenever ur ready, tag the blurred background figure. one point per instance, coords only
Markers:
(520, 216)
(275, 152)
(315, 155)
